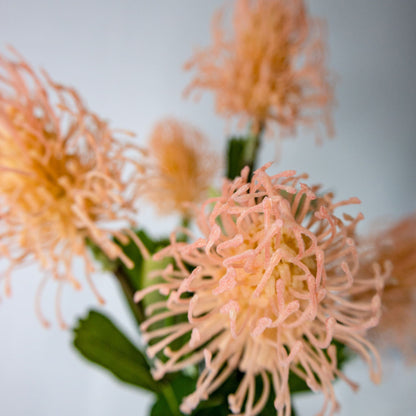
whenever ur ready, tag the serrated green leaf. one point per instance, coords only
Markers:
(101, 342)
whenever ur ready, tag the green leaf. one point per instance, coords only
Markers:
(102, 343)
(297, 384)
(161, 408)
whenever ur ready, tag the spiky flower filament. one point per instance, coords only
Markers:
(269, 291)
(272, 69)
(65, 176)
(181, 166)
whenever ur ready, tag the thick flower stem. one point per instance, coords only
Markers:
(129, 291)
(186, 221)
(169, 395)
(243, 151)
(252, 147)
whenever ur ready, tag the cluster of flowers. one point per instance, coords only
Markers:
(68, 180)
(272, 278)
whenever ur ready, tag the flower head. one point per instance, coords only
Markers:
(269, 291)
(271, 70)
(396, 246)
(63, 176)
(181, 166)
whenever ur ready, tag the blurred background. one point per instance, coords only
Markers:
(126, 58)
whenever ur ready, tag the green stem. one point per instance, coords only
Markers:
(125, 283)
(170, 398)
(129, 291)
(185, 222)
(252, 149)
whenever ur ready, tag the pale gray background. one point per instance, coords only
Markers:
(125, 58)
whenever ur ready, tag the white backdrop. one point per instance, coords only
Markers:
(126, 59)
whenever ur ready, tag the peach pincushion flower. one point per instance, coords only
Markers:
(63, 177)
(181, 166)
(270, 291)
(397, 327)
(273, 69)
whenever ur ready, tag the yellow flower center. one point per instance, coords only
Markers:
(256, 289)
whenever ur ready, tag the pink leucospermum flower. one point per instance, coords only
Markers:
(269, 291)
(270, 70)
(65, 179)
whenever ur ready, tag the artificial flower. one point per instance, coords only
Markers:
(181, 167)
(63, 178)
(271, 69)
(265, 290)
(395, 246)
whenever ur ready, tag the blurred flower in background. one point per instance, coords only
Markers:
(272, 70)
(267, 289)
(64, 177)
(397, 246)
(181, 167)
